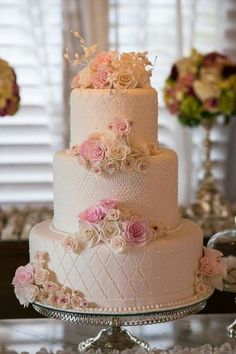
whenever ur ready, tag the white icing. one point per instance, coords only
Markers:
(92, 110)
(153, 195)
(159, 274)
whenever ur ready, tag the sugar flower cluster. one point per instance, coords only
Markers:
(34, 282)
(114, 150)
(212, 271)
(110, 70)
(113, 224)
(201, 87)
(9, 90)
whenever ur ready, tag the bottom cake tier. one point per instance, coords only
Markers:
(158, 275)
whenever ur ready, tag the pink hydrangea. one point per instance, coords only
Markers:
(120, 126)
(75, 83)
(92, 215)
(92, 150)
(100, 78)
(136, 232)
(108, 203)
(103, 58)
(24, 275)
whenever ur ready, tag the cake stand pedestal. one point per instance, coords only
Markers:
(115, 337)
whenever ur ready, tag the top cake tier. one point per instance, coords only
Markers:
(93, 110)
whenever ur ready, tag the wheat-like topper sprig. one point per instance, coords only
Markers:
(88, 52)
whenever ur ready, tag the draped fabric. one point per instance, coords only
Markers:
(90, 19)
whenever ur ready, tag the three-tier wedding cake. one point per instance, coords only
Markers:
(117, 242)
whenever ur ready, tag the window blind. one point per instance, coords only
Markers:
(31, 41)
(169, 29)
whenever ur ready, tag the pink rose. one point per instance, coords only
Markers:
(209, 266)
(24, 275)
(51, 286)
(75, 83)
(100, 78)
(103, 58)
(108, 203)
(136, 232)
(92, 150)
(92, 214)
(120, 126)
(64, 301)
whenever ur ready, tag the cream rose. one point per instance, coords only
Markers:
(70, 243)
(125, 79)
(26, 294)
(89, 234)
(85, 77)
(110, 166)
(40, 275)
(113, 214)
(118, 151)
(142, 76)
(109, 230)
(117, 244)
(141, 165)
(128, 164)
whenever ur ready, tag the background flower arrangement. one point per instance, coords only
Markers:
(9, 90)
(201, 87)
(110, 70)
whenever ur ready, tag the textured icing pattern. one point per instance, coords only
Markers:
(152, 195)
(93, 110)
(159, 273)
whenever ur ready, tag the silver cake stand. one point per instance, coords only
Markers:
(114, 336)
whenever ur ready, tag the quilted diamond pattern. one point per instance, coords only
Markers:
(152, 195)
(142, 275)
(93, 110)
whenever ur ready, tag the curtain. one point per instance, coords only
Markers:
(90, 19)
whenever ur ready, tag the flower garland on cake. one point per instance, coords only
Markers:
(113, 150)
(110, 70)
(34, 282)
(111, 223)
(212, 271)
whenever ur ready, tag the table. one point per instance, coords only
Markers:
(32, 334)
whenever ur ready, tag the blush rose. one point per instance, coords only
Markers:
(136, 232)
(92, 150)
(24, 275)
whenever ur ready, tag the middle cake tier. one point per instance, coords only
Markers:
(152, 195)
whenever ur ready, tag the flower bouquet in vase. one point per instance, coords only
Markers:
(9, 90)
(200, 89)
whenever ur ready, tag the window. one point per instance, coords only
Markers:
(31, 41)
(169, 29)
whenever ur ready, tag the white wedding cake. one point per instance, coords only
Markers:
(117, 242)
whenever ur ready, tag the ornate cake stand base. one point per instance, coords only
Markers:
(115, 337)
(231, 330)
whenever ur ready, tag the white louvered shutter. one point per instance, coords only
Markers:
(31, 41)
(169, 29)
